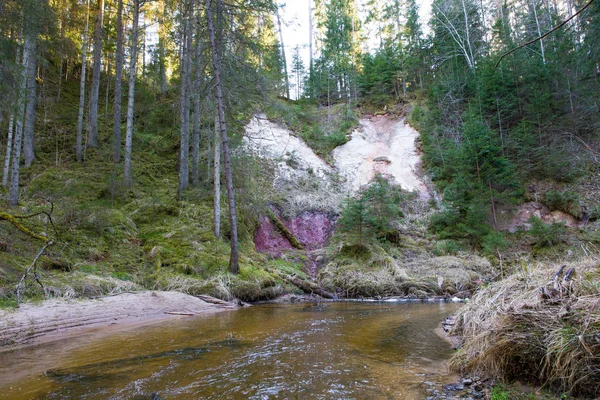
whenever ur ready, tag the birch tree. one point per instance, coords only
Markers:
(285, 69)
(11, 123)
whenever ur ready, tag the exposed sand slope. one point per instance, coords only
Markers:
(34, 323)
(267, 139)
(381, 145)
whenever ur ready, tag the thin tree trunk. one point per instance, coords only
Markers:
(118, 86)
(79, 144)
(11, 130)
(9, 147)
(234, 258)
(184, 147)
(143, 16)
(29, 127)
(217, 180)
(61, 48)
(467, 26)
(285, 70)
(310, 48)
(94, 94)
(161, 51)
(13, 191)
(131, 95)
(539, 30)
(196, 94)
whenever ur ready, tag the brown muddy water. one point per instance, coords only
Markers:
(349, 350)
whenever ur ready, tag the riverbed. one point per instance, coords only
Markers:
(324, 351)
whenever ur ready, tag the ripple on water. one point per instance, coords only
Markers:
(348, 350)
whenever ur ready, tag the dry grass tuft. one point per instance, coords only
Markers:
(531, 326)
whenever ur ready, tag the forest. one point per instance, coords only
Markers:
(123, 126)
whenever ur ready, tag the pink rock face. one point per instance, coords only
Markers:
(312, 229)
(267, 238)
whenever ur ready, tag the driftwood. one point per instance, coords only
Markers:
(214, 300)
(180, 313)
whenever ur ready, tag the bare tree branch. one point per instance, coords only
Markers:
(557, 27)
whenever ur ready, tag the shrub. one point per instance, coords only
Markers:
(546, 235)
(371, 213)
(566, 201)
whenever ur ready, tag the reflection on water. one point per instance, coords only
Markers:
(337, 350)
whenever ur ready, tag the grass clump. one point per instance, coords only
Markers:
(523, 328)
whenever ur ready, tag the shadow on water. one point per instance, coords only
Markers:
(93, 372)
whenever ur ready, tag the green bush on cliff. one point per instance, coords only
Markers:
(371, 214)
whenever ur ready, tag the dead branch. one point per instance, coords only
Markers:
(594, 153)
(32, 267)
(13, 220)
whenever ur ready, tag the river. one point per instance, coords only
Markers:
(349, 350)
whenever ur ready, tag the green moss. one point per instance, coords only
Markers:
(284, 230)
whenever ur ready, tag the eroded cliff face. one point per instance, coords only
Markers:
(312, 229)
(382, 145)
(314, 190)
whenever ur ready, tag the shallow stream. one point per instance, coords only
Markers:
(330, 351)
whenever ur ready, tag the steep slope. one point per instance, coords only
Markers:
(382, 145)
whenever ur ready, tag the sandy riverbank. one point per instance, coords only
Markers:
(56, 318)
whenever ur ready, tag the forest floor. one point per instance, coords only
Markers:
(34, 323)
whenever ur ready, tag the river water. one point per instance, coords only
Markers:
(347, 350)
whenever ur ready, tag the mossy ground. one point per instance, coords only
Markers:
(110, 238)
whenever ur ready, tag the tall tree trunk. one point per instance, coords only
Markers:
(11, 130)
(161, 51)
(285, 70)
(118, 86)
(196, 94)
(131, 95)
(29, 128)
(184, 147)
(234, 258)
(9, 147)
(310, 48)
(94, 94)
(217, 180)
(143, 16)
(13, 190)
(62, 29)
(79, 144)
(539, 30)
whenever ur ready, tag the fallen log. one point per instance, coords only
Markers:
(305, 286)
